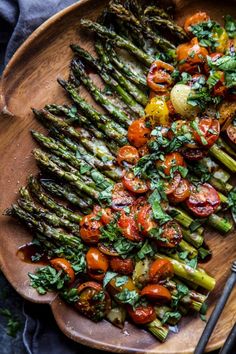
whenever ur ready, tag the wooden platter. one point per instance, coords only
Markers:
(29, 80)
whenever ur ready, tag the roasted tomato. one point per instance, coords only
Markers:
(121, 197)
(208, 131)
(90, 228)
(181, 193)
(171, 184)
(193, 154)
(159, 76)
(203, 200)
(122, 266)
(172, 234)
(171, 161)
(231, 133)
(128, 227)
(158, 112)
(156, 292)
(65, 266)
(220, 89)
(127, 155)
(97, 263)
(134, 184)
(143, 150)
(160, 270)
(145, 220)
(94, 302)
(191, 56)
(214, 57)
(195, 19)
(142, 314)
(108, 250)
(139, 132)
(104, 214)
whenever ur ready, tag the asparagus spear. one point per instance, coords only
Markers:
(119, 41)
(66, 192)
(109, 127)
(196, 276)
(84, 168)
(223, 145)
(93, 145)
(39, 213)
(126, 97)
(223, 157)
(193, 237)
(59, 209)
(43, 228)
(138, 94)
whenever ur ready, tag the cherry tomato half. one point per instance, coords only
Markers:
(203, 200)
(172, 234)
(171, 161)
(159, 76)
(97, 263)
(160, 269)
(208, 132)
(90, 228)
(142, 314)
(138, 132)
(220, 89)
(121, 197)
(231, 133)
(104, 213)
(156, 292)
(122, 266)
(195, 19)
(171, 184)
(65, 266)
(128, 227)
(134, 184)
(127, 155)
(193, 154)
(144, 219)
(182, 192)
(191, 56)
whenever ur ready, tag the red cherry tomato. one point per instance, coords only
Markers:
(138, 132)
(134, 184)
(121, 197)
(191, 56)
(195, 19)
(105, 214)
(160, 270)
(122, 266)
(156, 292)
(171, 184)
(172, 234)
(182, 192)
(203, 200)
(220, 89)
(171, 160)
(231, 133)
(127, 155)
(144, 219)
(142, 314)
(128, 227)
(208, 132)
(97, 263)
(90, 228)
(159, 76)
(65, 266)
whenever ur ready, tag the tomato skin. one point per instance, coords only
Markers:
(159, 78)
(172, 184)
(160, 269)
(138, 132)
(231, 133)
(191, 56)
(220, 89)
(144, 219)
(156, 292)
(121, 197)
(203, 200)
(142, 314)
(90, 229)
(182, 192)
(122, 266)
(206, 126)
(195, 19)
(89, 284)
(106, 214)
(172, 233)
(65, 266)
(194, 154)
(127, 155)
(171, 160)
(143, 150)
(97, 263)
(134, 184)
(129, 227)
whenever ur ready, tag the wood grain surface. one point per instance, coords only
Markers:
(29, 80)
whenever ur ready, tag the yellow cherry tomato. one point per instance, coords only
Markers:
(222, 40)
(158, 111)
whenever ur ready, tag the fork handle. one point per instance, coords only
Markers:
(230, 342)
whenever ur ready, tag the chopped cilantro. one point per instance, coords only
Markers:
(203, 252)
(182, 290)
(121, 280)
(71, 295)
(127, 297)
(230, 26)
(13, 324)
(108, 276)
(171, 315)
(145, 250)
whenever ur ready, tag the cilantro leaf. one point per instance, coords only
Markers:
(126, 296)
